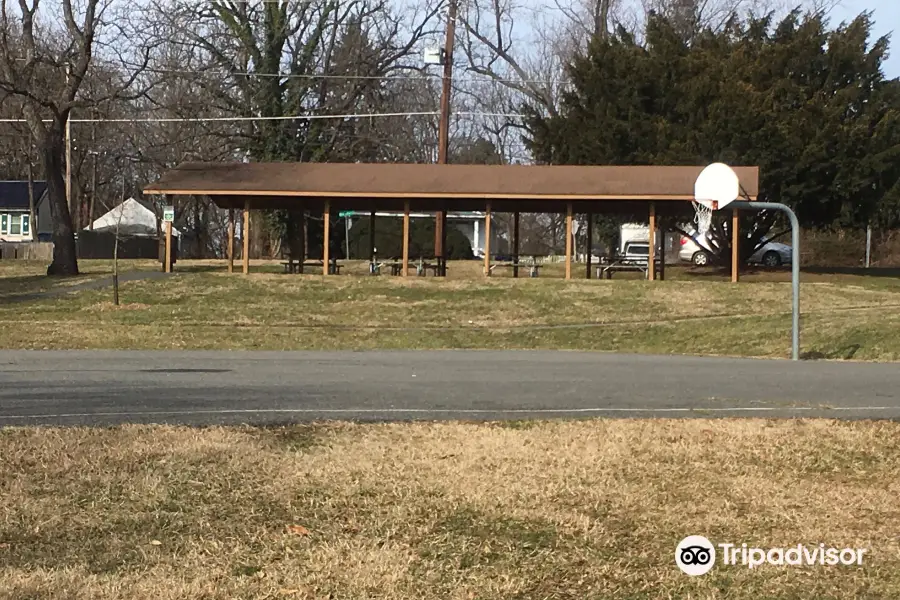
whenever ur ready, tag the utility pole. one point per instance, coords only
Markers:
(95, 155)
(444, 129)
(69, 149)
(90, 217)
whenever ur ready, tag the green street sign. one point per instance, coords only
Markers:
(345, 213)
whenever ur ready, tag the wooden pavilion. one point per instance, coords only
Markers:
(328, 187)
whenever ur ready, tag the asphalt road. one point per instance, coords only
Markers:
(85, 387)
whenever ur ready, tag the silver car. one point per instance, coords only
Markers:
(771, 254)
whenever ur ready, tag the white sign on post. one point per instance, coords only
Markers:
(169, 214)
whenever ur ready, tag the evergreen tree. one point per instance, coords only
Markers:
(806, 103)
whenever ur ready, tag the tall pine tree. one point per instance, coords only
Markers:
(808, 104)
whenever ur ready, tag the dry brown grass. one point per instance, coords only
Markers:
(589, 509)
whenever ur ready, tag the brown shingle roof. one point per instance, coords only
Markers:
(356, 180)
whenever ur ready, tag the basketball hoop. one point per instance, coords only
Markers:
(717, 186)
(703, 217)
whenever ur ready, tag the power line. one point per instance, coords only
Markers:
(469, 79)
(282, 118)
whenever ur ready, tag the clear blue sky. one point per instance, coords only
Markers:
(887, 20)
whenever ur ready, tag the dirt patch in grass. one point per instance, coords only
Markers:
(548, 510)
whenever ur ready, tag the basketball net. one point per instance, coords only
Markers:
(703, 216)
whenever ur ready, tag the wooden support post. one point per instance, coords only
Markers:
(245, 237)
(439, 220)
(230, 249)
(406, 238)
(326, 236)
(589, 245)
(651, 254)
(301, 243)
(516, 244)
(487, 240)
(443, 260)
(735, 246)
(569, 240)
(372, 237)
(168, 268)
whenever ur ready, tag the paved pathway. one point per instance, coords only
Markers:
(85, 387)
(94, 284)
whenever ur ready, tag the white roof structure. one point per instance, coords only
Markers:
(136, 220)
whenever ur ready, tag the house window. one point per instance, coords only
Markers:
(26, 225)
(15, 225)
(4, 224)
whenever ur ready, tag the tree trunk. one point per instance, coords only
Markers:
(65, 257)
(258, 236)
(601, 19)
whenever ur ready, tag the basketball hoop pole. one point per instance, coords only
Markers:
(795, 264)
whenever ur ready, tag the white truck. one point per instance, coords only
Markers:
(634, 243)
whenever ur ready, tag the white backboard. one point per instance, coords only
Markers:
(717, 186)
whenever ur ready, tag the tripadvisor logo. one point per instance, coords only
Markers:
(696, 555)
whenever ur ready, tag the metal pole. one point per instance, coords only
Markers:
(795, 265)
(347, 236)
(868, 245)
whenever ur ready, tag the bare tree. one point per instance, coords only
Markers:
(492, 50)
(586, 19)
(288, 64)
(45, 57)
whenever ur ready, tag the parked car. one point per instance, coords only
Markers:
(636, 251)
(771, 254)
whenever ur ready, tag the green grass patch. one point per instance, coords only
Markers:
(844, 317)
